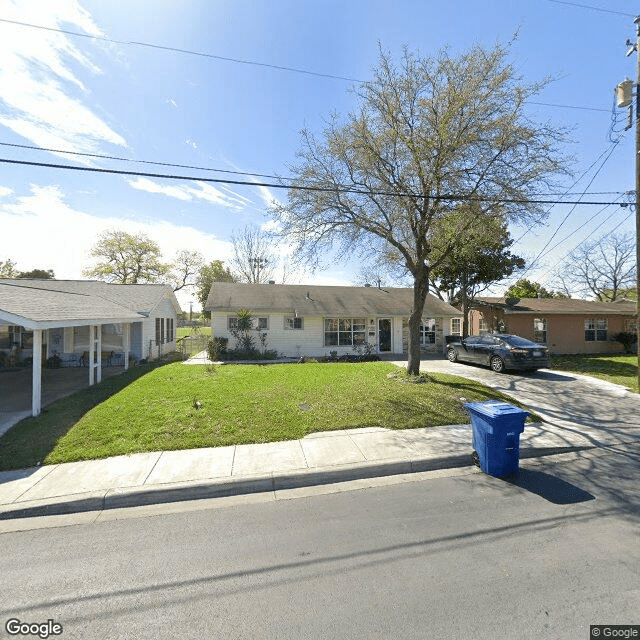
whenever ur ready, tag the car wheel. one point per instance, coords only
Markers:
(452, 354)
(497, 364)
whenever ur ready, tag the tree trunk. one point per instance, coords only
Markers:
(465, 307)
(420, 291)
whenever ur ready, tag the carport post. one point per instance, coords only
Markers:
(36, 386)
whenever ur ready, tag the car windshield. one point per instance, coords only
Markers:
(517, 341)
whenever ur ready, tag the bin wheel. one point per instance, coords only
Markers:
(497, 364)
(475, 458)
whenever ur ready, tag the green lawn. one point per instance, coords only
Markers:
(619, 369)
(181, 332)
(152, 408)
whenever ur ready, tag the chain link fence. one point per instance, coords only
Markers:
(189, 346)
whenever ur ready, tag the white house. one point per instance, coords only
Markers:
(84, 323)
(307, 320)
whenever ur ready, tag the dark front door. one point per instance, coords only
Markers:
(384, 335)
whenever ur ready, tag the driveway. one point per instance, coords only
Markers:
(603, 412)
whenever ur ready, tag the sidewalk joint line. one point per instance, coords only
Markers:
(152, 468)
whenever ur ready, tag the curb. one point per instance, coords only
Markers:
(181, 492)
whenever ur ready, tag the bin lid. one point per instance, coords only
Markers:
(495, 408)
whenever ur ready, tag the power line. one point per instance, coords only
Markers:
(241, 173)
(240, 61)
(337, 188)
(586, 6)
(121, 159)
(179, 50)
(555, 233)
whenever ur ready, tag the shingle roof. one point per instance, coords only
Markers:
(47, 301)
(314, 300)
(564, 306)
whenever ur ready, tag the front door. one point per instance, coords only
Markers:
(384, 335)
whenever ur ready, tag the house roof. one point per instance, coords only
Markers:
(55, 303)
(563, 306)
(315, 300)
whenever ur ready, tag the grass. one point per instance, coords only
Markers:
(619, 369)
(153, 408)
(181, 332)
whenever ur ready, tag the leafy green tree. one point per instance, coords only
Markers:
(37, 274)
(215, 271)
(474, 260)
(126, 258)
(427, 134)
(527, 289)
(7, 269)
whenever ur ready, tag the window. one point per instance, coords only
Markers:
(159, 324)
(428, 332)
(540, 330)
(169, 332)
(483, 326)
(595, 330)
(263, 324)
(344, 331)
(456, 326)
(293, 323)
(232, 322)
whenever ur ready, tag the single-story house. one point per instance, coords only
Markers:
(311, 320)
(564, 325)
(83, 323)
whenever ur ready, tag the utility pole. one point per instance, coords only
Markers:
(636, 20)
(624, 91)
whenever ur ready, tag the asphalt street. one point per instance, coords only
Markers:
(448, 554)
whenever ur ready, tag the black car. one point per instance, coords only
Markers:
(500, 352)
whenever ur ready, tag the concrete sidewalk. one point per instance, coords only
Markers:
(321, 458)
(317, 459)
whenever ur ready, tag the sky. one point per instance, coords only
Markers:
(259, 72)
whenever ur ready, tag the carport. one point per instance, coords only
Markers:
(40, 311)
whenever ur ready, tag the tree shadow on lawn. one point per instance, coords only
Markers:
(29, 442)
(412, 412)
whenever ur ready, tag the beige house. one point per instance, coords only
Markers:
(564, 325)
(308, 320)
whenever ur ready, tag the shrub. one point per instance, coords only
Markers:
(216, 348)
(626, 339)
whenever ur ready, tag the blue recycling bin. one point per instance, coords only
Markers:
(496, 428)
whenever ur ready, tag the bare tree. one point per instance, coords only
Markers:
(253, 258)
(604, 268)
(428, 134)
(186, 268)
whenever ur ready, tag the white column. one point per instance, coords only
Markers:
(92, 354)
(99, 353)
(126, 343)
(36, 385)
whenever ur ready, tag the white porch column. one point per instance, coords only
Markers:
(99, 353)
(126, 343)
(36, 385)
(92, 354)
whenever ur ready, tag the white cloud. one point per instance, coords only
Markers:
(191, 143)
(204, 191)
(172, 103)
(53, 235)
(5, 191)
(43, 99)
